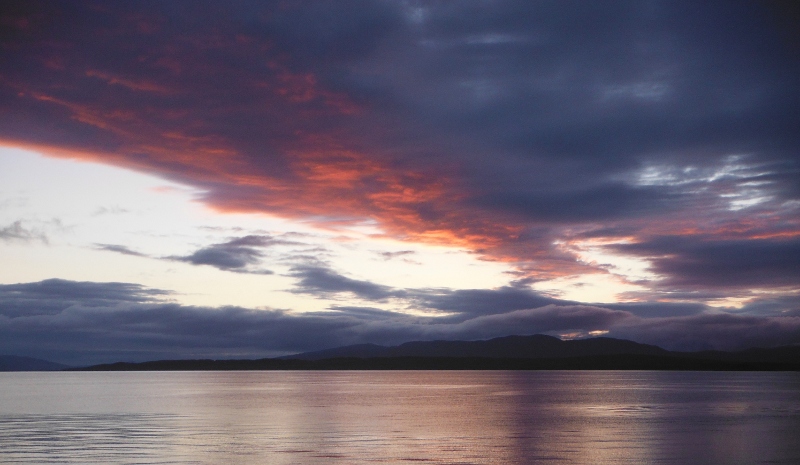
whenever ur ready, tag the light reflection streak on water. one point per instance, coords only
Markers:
(399, 417)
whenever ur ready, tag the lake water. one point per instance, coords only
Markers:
(401, 417)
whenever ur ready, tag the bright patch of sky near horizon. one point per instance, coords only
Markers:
(71, 209)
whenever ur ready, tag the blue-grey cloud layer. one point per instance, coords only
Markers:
(85, 322)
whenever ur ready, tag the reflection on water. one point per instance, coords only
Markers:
(399, 417)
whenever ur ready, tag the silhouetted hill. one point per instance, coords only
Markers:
(536, 346)
(15, 363)
(536, 352)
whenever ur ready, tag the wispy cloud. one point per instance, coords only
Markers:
(392, 255)
(119, 249)
(111, 210)
(17, 232)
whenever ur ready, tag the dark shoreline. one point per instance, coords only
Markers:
(605, 362)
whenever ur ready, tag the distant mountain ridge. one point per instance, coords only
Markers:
(536, 352)
(17, 363)
(536, 346)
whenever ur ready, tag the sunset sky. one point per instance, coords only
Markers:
(246, 179)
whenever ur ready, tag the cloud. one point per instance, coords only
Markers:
(138, 332)
(365, 313)
(468, 303)
(400, 253)
(16, 232)
(52, 296)
(710, 331)
(692, 262)
(112, 210)
(659, 309)
(324, 282)
(602, 202)
(547, 319)
(234, 255)
(119, 249)
(83, 323)
(788, 305)
(224, 258)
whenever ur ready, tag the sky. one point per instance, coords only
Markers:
(247, 179)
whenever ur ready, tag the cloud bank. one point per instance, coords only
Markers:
(87, 322)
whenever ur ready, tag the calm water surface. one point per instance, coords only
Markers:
(401, 417)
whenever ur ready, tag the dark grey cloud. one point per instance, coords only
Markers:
(606, 84)
(712, 331)
(224, 258)
(324, 282)
(660, 309)
(688, 262)
(365, 313)
(52, 296)
(106, 322)
(236, 255)
(333, 32)
(138, 332)
(788, 305)
(547, 319)
(602, 202)
(469, 303)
